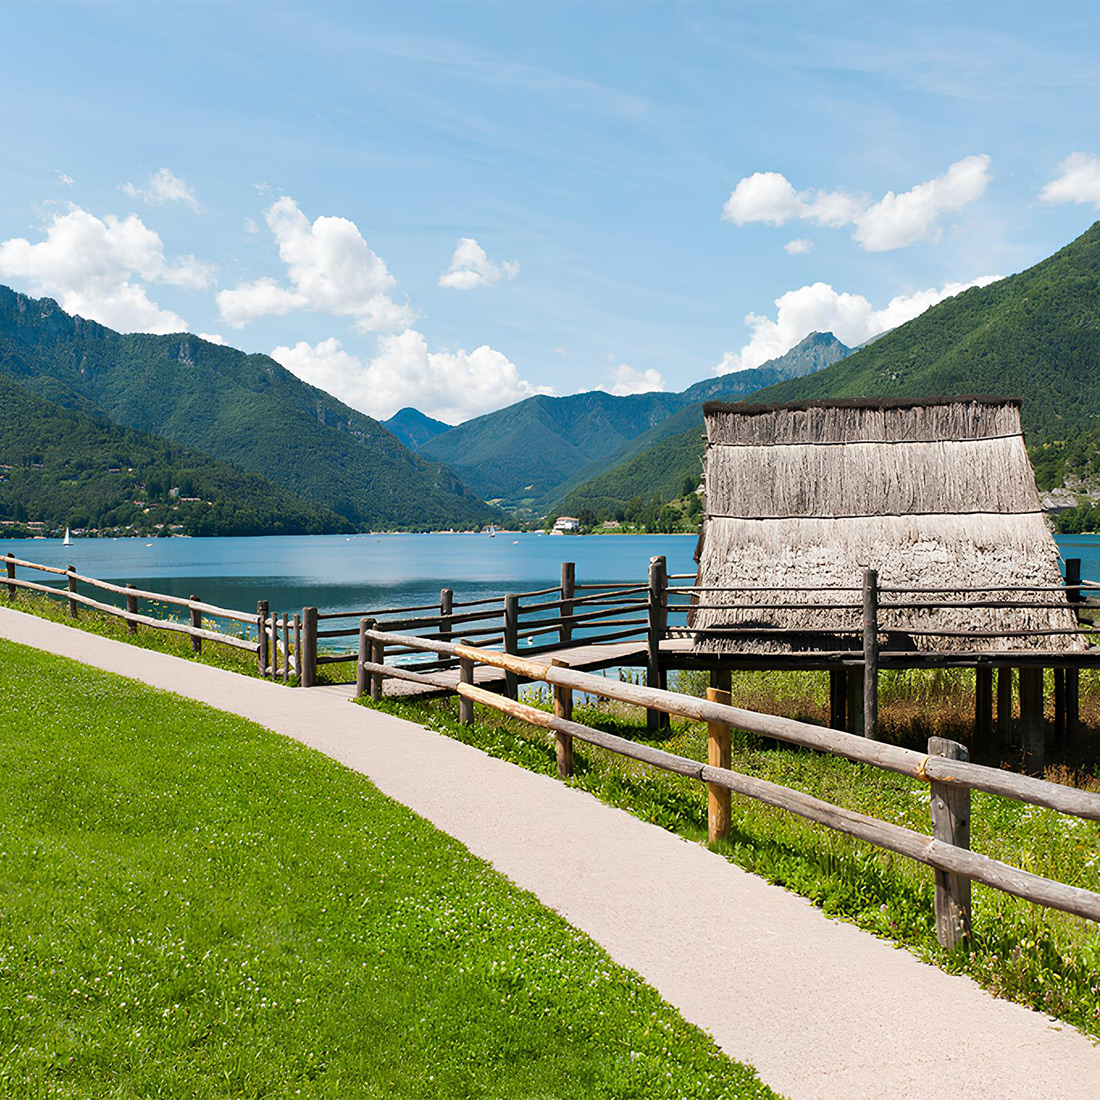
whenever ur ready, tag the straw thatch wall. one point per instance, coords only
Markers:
(935, 494)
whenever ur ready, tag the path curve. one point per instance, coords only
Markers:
(821, 1009)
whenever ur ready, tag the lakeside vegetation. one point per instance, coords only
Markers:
(245, 917)
(1035, 956)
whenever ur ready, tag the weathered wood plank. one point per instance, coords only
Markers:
(950, 824)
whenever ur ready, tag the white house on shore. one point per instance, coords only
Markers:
(566, 525)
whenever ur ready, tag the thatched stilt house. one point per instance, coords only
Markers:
(934, 494)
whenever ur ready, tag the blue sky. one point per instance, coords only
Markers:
(638, 194)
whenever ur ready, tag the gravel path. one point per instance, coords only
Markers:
(821, 1009)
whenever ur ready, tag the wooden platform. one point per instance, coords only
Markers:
(583, 658)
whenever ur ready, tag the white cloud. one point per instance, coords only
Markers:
(471, 267)
(211, 337)
(799, 246)
(64, 179)
(162, 187)
(450, 385)
(330, 269)
(91, 264)
(895, 221)
(250, 228)
(624, 380)
(819, 308)
(1078, 181)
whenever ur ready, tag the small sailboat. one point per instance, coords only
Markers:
(68, 540)
(492, 532)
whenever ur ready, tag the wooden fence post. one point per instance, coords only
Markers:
(365, 651)
(446, 609)
(565, 608)
(298, 646)
(1004, 707)
(261, 623)
(11, 575)
(286, 648)
(72, 588)
(656, 618)
(307, 670)
(719, 755)
(196, 624)
(131, 606)
(563, 708)
(378, 656)
(465, 676)
(1073, 675)
(951, 825)
(1032, 733)
(511, 642)
(870, 654)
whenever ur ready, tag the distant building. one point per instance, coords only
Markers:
(566, 525)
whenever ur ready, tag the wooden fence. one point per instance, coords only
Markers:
(274, 660)
(945, 767)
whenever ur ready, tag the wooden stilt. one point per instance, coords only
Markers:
(1032, 731)
(838, 698)
(1059, 713)
(854, 686)
(1004, 707)
(983, 704)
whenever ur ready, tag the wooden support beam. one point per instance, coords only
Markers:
(568, 591)
(196, 621)
(1004, 707)
(838, 698)
(307, 671)
(951, 825)
(378, 656)
(656, 619)
(298, 646)
(870, 654)
(720, 678)
(1032, 731)
(446, 609)
(563, 708)
(855, 715)
(983, 704)
(1073, 675)
(511, 641)
(719, 755)
(131, 607)
(11, 575)
(1059, 713)
(261, 629)
(361, 681)
(465, 704)
(72, 588)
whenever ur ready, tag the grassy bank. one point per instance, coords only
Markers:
(193, 906)
(162, 641)
(1032, 955)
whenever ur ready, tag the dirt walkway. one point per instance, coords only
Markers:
(821, 1009)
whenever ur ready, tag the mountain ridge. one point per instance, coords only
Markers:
(244, 409)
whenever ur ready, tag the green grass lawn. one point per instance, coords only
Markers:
(1036, 956)
(192, 906)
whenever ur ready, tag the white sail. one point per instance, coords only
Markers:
(68, 538)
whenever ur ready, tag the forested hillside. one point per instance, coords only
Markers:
(246, 410)
(1035, 335)
(61, 467)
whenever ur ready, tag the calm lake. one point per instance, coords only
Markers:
(336, 573)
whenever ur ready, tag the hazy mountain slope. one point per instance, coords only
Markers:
(72, 468)
(537, 449)
(413, 427)
(243, 409)
(1035, 335)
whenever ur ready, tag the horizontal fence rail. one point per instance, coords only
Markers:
(944, 767)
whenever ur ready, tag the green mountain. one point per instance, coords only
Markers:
(533, 452)
(246, 410)
(1035, 335)
(63, 467)
(413, 427)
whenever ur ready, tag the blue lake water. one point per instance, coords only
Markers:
(336, 573)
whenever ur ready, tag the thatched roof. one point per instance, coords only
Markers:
(933, 493)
